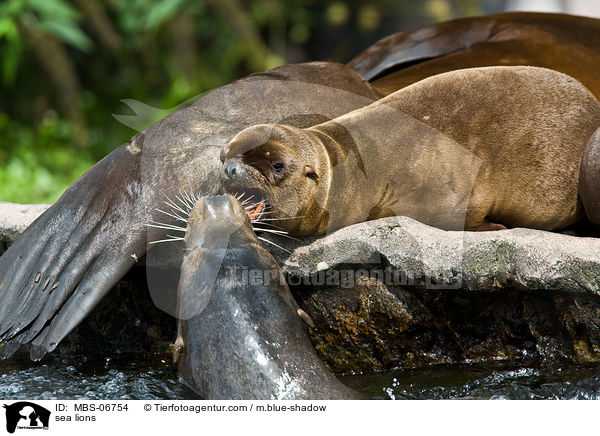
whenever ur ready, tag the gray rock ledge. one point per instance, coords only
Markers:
(15, 218)
(467, 297)
(475, 261)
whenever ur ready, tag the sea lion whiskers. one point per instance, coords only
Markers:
(174, 205)
(280, 232)
(172, 215)
(180, 212)
(285, 235)
(186, 202)
(240, 197)
(165, 226)
(273, 243)
(281, 219)
(260, 222)
(191, 197)
(169, 239)
(277, 232)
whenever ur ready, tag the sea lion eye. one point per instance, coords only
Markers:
(278, 166)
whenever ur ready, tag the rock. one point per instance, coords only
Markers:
(397, 293)
(475, 261)
(126, 321)
(14, 218)
(400, 293)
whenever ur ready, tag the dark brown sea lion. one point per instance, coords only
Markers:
(242, 338)
(479, 149)
(566, 43)
(71, 256)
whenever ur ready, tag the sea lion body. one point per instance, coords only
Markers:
(479, 149)
(66, 261)
(589, 179)
(247, 340)
(73, 254)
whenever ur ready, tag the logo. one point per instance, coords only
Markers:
(26, 415)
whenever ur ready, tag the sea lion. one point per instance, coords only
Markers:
(243, 338)
(566, 43)
(475, 149)
(589, 179)
(73, 254)
(94, 234)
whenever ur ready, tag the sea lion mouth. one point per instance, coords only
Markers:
(255, 211)
(254, 201)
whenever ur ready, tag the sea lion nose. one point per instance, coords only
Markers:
(231, 167)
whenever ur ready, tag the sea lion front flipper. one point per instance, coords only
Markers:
(425, 43)
(74, 252)
(589, 179)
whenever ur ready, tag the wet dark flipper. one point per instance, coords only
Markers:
(103, 274)
(74, 252)
(67, 260)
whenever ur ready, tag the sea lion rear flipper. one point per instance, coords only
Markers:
(68, 259)
(589, 179)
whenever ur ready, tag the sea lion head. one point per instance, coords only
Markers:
(282, 169)
(218, 226)
(217, 221)
(233, 300)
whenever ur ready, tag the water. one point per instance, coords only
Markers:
(126, 377)
(155, 377)
(500, 381)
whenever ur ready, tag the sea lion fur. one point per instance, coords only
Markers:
(503, 143)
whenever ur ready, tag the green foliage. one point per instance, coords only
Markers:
(38, 165)
(57, 17)
(160, 53)
(162, 10)
(12, 46)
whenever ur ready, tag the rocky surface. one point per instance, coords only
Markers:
(474, 261)
(396, 293)
(14, 218)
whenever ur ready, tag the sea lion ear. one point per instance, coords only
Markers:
(310, 172)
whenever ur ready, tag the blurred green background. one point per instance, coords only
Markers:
(66, 64)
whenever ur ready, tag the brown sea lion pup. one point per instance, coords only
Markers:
(475, 149)
(566, 43)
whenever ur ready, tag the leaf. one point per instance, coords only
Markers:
(68, 33)
(12, 8)
(10, 60)
(55, 10)
(8, 29)
(161, 11)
